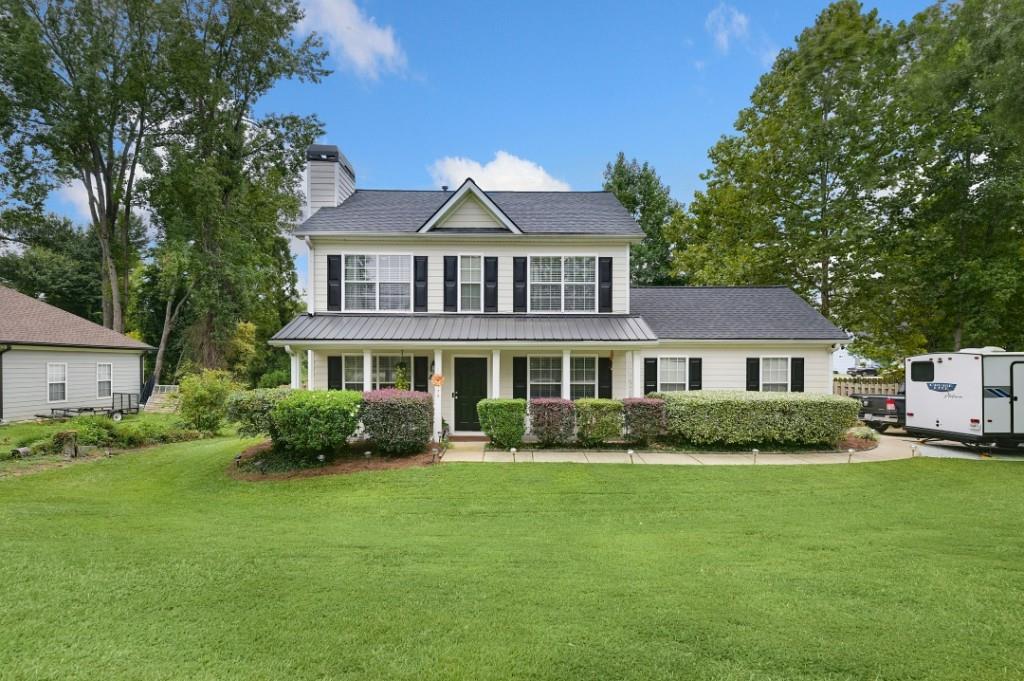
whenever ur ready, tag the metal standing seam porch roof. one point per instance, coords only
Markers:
(462, 327)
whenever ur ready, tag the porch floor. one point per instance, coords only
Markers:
(889, 449)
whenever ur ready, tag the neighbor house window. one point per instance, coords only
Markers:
(775, 374)
(560, 284)
(104, 380)
(352, 372)
(384, 368)
(471, 283)
(378, 282)
(545, 377)
(671, 374)
(56, 382)
(583, 377)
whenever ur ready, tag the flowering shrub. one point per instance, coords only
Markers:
(503, 420)
(251, 409)
(598, 421)
(315, 421)
(398, 421)
(552, 420)
(643, 419)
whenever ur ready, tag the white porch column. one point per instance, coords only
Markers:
(566, 368)
(367, 371)
(296, 366)
(309, 370)
(495, 373)
(437, 395)
(638, 374)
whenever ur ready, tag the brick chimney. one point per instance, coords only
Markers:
(329, 177)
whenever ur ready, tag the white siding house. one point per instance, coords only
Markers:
(53, 359)
(522, 294)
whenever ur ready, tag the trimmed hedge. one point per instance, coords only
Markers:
(598, 421)
(398, 421)
(314, 421)
(729, 418)
(503, 420)
(643, 419)
(251, 409)
(553, 420)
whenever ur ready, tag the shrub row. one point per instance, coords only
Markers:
(720, 418)
(320, 421)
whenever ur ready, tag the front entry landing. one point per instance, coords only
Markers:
(470, 388)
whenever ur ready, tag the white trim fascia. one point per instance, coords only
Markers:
(469, 187)
(311, 276)
(482, 344)
(397, 236)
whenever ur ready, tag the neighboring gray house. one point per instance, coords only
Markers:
(522, 294)
(51, 358)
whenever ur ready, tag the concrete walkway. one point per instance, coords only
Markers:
(889, 449)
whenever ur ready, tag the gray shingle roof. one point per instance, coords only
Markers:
(491, 327)
(27, 321)
(378, 210)
(730, 313)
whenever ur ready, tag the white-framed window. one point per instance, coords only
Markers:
(672, 374)
(104, 379)
(384, 368)
(471, 283)
(377, 282)
(545, 376)
(582, 377)
(775, 374)
(56, 382)
(563, 283)
(352, 372)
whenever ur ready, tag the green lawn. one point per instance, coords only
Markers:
(155, 565)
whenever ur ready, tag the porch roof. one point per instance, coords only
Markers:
(463, 328)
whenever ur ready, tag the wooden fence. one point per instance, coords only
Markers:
(847, 387)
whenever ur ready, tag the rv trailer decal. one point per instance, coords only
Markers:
(997, 391)
(942, 387)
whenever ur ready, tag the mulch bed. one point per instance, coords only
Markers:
(341, 466)
(857, 443)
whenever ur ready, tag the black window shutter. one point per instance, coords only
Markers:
(650, 375)
(604, 284)
(519, 386)
(490, 284)
(334, 283)
(419, 373)
(420, 285)
(796, 374)
(753, 374)
(519, 284)
(604, 377)
(334, 381)
(695, 373)
(451, 274)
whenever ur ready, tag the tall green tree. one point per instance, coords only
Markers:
(81, 97)
(647, 198)
(790, 198)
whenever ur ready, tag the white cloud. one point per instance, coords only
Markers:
(504, 171)
(354, 38)
(74, 197)
(726, 23)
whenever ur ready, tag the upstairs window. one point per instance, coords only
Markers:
(378, 282)
(563, 284)
(471, 283)
(104, 380)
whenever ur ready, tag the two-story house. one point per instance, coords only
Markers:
(522, 294)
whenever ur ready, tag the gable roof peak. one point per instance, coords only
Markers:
(469, 188)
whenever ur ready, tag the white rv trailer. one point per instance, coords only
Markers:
(971, 396)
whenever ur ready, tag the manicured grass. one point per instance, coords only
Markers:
(156, 565)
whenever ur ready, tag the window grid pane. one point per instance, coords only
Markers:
(583, 378)
(395, 268)
(546, 269)
(580, 298)
(545, 377)
(545, 297)
(360, 268)
(56, 378)
(774, 374)
(672, 374)
(580, 269)
(360, 296)
(394, 296)
(470, 297)
(352, 372)
(384, 376)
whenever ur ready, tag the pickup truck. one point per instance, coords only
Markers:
(882, 411)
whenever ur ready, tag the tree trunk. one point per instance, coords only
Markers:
(112, 285)
(161, 350)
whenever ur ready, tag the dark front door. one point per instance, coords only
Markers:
(470, 388)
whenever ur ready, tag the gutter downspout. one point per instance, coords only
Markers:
(310, 277)
(3, 349)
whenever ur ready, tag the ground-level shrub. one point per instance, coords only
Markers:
(552, 420)
(643, 419)
(738, 419)
(202, 397)
(315, 421)
(598, 421)
(101, 431)
(864, 433)
(275, 379)
(503, 420)
(250, 409)
(398, 421)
